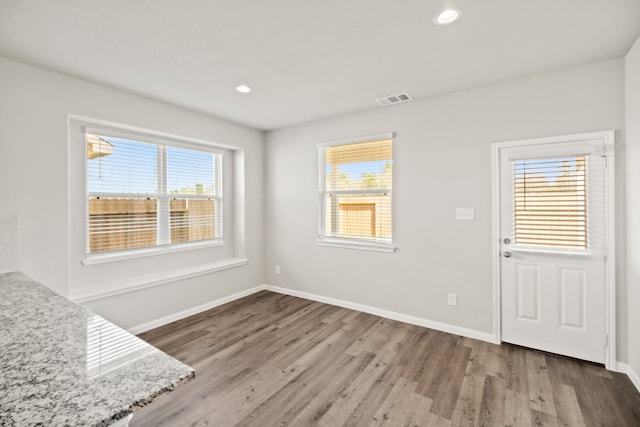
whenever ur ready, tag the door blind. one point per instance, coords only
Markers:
(550, 202)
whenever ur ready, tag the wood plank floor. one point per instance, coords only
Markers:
(275, 360)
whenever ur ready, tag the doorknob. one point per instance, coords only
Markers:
(507, 254)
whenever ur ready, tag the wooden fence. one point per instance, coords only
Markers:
(129, 223)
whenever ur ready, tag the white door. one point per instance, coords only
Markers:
(553, 247)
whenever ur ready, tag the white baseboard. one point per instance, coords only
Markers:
(444, 327)
(193, 310)
(633, 375)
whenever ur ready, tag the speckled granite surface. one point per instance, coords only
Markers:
(61, 365)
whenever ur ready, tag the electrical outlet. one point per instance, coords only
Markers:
(452, 299)
(277, 268)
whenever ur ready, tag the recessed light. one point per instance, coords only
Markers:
(243, 88)
(447, 16)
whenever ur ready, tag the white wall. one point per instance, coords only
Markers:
(442, 160)
(37, 183)
(632, 127)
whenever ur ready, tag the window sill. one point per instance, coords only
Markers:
(92, 259)
(109, 289)
(363, 246)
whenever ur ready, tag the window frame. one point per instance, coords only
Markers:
(165, 246)
(368, 244)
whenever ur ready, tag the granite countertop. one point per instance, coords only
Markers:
(62, 365)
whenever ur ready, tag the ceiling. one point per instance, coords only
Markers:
(308, 59)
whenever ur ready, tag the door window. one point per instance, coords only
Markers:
(550, 202)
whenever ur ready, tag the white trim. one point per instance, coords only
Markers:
(496, 221)
(413, 320)
(109, 289)
(101, 258)
(611, 355)
(377, 137)
(363, 246)
(608, 139)
(633, 375)
(193, 310)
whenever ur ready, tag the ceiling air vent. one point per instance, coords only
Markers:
(394, 99)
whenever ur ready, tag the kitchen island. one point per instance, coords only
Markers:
(62, 365)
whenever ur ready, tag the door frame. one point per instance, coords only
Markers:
(608, 139)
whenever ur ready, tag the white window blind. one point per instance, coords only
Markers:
(143, 194)
(550, 202)
(356, 184)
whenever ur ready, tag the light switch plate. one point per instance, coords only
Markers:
(465, 213)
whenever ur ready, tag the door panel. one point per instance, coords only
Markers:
(528, 285)
(552, 199)
(573, 290)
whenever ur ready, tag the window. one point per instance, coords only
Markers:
(355, 193)
(142, 194)
(551, 202)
